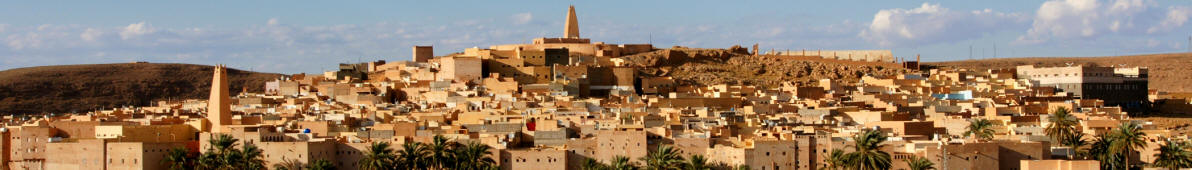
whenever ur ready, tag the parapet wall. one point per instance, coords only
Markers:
(853, 55)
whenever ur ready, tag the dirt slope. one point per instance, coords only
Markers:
(79, 88)
(692, 66)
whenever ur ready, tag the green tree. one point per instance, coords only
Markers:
(982, 129)
(1101, 151)
(1128, 137)
(1063, 125)
(835, 160)
(289, 164)
(919, 163)
(321, 164)
(698, 162)
(378, 157)
(592, 164)
(664, 158)
(473, 156)
(412, 156)
(250, 157)
(868, 154)
(221, 154)
(1174, 155)
(440, 152)
(621, 163)
(178, 159)
(1075, 142)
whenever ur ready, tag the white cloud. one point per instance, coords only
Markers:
(930, 24)
(136, 29)
(272, 22)
(522, 18)
(1176, 17)
(91, 34)
(1085, 19)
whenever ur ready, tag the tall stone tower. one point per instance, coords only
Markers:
(572, 28)
(219, 109)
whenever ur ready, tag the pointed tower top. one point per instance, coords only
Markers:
(572, 25)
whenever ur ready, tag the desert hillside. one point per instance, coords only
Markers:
(693, 66)
(79, 88)
(1168, 72)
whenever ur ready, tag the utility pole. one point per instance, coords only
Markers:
(970, 51)
(994, 50)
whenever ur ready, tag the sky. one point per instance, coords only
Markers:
(314, 36)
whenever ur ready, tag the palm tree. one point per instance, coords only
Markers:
(178, 159)
(698, 162)
(440, 152)
(412, 156)
(868, 153)
(621, 163)
(836, 159)
(1128, 137)
(473, 156)
(592, 164)
(321, 164)
(1101, 151)
(221, 154)
(981, 128)
(1063, 125)
(378, 157)
(666, 157)
(1074, 142)
(250, 157)
(289, 164)
(1174, 155)
(919, 163)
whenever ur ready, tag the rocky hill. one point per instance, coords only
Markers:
(80, 88)
(1168, 72)
(693, 66)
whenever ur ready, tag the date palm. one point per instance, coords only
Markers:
(378, 157)
(1102, 152)
(412, 156)
(1063, 125)
(621, 163)
(321, 164)
(698, 162)
(664, 158)
(592, 164)
(836, 159)
(473, 156)
(982, 129)
(1174, 155)
(868, 154)
(250, 157)
(178, 159)
(919, 163)
(289, 164)
(221, 153)
(440, 152)
(1075, 142)
(1128, 137)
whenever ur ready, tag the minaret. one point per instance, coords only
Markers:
(572, 27)
(219, 111)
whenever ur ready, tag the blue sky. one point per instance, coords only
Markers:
(312, 36)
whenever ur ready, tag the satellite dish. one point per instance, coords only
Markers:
(2, 130)
(306, 131)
